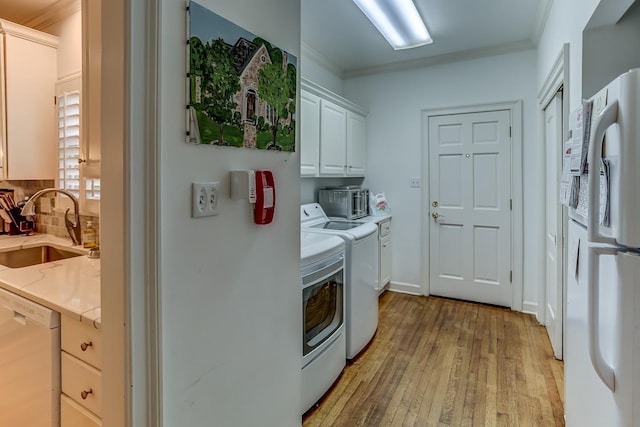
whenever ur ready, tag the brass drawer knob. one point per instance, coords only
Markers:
(85, 393)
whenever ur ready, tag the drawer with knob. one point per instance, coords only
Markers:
(82, 383)
(82, 341)
(385, 228)
(74, 415)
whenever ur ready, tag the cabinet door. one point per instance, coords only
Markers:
(91, 87)
(30, 77)
(356, 144)
(385, 261)
(333, 139)
(309, 134)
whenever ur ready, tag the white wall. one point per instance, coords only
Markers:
(394, 143)
(320, 71)
(230, 290)
(609, 50)
(565, 23)
(69, 31)
(70, 51)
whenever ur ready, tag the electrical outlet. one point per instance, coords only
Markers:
(415, 182)
(204, 198)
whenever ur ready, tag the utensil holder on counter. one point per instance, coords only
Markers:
(11, 220)
(20, 225)
(5, 221)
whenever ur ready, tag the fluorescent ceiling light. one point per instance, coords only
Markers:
(398, 21)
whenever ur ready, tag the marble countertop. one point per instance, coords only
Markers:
(376, 218)
(70, 286)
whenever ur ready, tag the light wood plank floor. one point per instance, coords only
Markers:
(439, 362)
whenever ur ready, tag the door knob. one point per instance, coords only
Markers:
(434, 203)
(436, 216)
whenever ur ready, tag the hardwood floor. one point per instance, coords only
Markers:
(438, 362)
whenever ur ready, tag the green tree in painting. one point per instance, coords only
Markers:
(196, 68)
(219, 83)
(291, 77)
(273, 88)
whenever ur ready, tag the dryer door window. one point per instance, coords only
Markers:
(322, 305)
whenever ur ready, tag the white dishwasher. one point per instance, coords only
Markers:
(29, 363)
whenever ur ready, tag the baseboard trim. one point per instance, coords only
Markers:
(530, 308)
(405, 288)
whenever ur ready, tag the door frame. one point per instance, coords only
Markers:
(557, 79)
(517, 226)
(130, 214)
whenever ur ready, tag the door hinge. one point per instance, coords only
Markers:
(510, 204)
(511, 276)
(509, 132)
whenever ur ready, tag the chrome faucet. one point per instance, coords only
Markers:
(73, 228)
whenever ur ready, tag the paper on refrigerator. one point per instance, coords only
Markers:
(581, 126)
(582, 206)
(576, 126)
(580, 122)
(566, 179)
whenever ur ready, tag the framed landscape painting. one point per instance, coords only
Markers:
(241, 88)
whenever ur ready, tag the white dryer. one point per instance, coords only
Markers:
(361, 260)
(323, 331)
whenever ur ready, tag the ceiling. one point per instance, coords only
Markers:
(38, 14)
(23, 11)
(337, 32)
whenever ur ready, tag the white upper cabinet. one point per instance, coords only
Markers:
(28, 71)
(356, 144)
(310, 134)
(333, 138)
(333, 134)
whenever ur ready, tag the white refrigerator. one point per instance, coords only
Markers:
(602, 341)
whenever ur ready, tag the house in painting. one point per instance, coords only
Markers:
(248, 58)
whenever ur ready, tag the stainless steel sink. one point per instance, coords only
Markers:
(25, 257)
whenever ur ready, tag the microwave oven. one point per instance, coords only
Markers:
(350, 202)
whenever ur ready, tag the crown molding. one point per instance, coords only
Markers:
(311, 53)
(53, 14)
(542, 14)
(326, 94)
(443, 59)
(27, 33)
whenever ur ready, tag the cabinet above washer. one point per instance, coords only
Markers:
(333, 134)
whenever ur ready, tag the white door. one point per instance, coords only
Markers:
(470, 199)
(553, 231)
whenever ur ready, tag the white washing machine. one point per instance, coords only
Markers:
(323, 330)
(361, 264)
